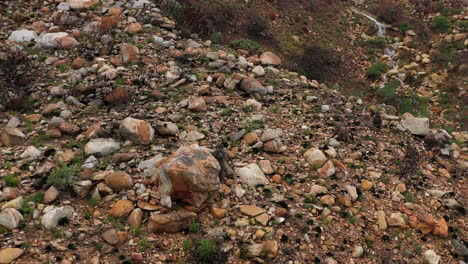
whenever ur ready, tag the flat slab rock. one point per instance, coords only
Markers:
(172, 222)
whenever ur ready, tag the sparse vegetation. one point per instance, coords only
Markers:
(61, 176)
(246, 44)
(207, 251)
(440, 24)
(376, 70)
(12, 180)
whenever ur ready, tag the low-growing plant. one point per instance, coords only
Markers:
(39, 140)
(216, 37)
(194, 227)
(12, 180)
(61, 176)
(376, 70)
(440, 24)
(207, 251)
(34, 198)
(246, 44)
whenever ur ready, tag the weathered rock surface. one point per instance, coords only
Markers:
(138, 131)
(191, 174)
(172, 222)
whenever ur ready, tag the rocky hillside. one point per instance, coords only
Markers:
(132, 134)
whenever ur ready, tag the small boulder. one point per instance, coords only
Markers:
(12, 136)
(416, 126)
(251, 85)
(101, 147)
(118, 181)
(8, 255)
(10, 218)
(172, 222)
(269, 58)
(191, 174)
(197, 104)
(129, 53)
(252, 175)
(138, 131)
(51, 195)
(167, 129)
(315, 157)
(121, 209)
(82, 4)
(52, 216)
(23, 35)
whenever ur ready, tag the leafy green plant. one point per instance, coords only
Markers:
(377, 42)
(388, 92)
(187, 245)
(440, 24)
(33, 198)
(194, 227)
(246, 44)
(403, 27)
(216, 37)
(39, 141)
(376, 70)
(61, 176)
(12, 180)
(414, 104)
(144, 244)
(207, 251)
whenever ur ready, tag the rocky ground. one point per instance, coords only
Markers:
(137, 144)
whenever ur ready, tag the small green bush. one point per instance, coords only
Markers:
(376, 70)
(216, 37)
(35, 198)
(377, 42)
(403, 27)
(440, 24)
(194, 227)
(207, 251)
(388, 92)
(60, 177)
(414, 104)
(12, 180)
(246, 44)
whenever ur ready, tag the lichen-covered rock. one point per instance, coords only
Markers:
(191, 174)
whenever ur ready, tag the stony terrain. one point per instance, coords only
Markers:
(126, 140)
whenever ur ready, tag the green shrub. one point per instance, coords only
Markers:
(12, 180)
(388, 92)
(403, 27)
(463, 24)
(440, 24)
(376, 70)
(39, 141)
(415, 104)
(35, 198)
(377, 42)
(194, 227)
(216, 37)
(207, 251)
(246, 44)
(61, 176)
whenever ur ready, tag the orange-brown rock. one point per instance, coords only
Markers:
(172, 222)
(190, 173)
